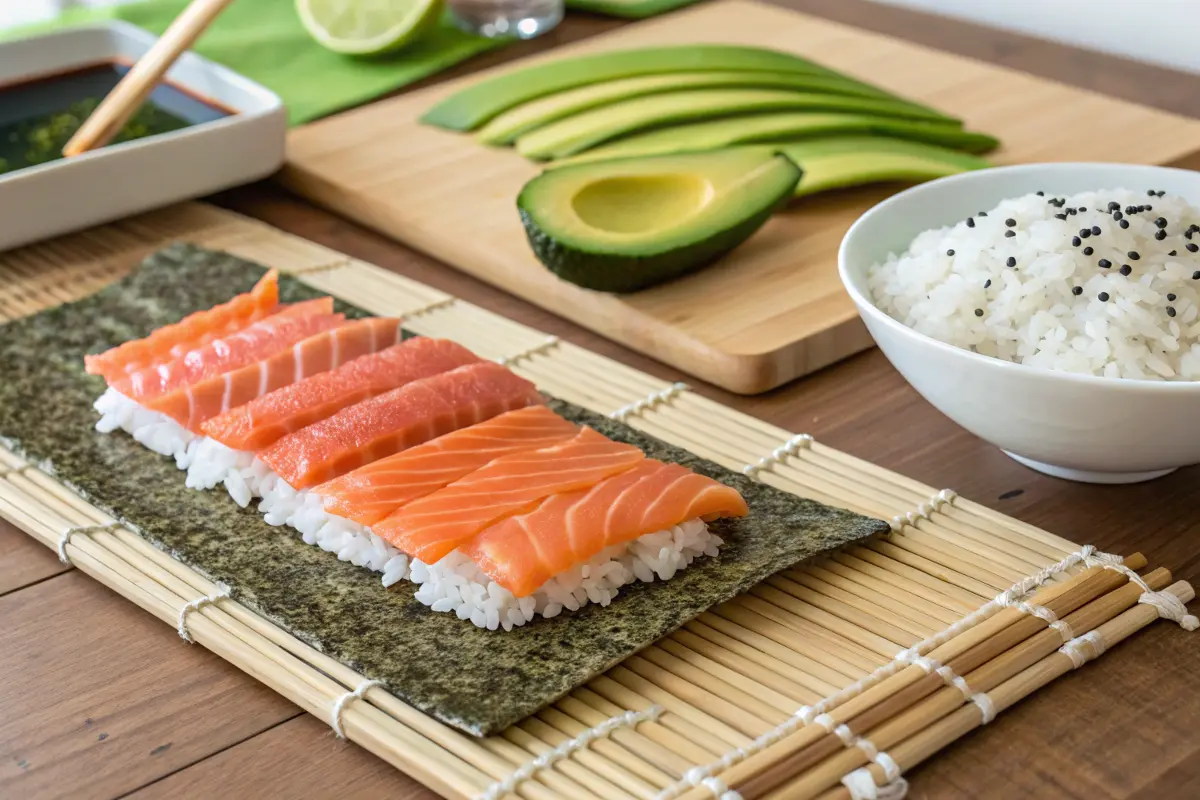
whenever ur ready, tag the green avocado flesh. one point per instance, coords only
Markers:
(782, 127)
(466, 110)
(841, 162)
(526, 117)
(624, 225)
(590, 128)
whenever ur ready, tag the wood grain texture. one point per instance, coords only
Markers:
(862, 406)
(774, 309)
(23, 561)
(98, 700)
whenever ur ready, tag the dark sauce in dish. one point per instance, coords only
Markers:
(38, 117)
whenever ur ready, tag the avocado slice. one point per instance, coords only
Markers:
(624, 225)
(506, 127)
(590, 128)
(466, 110)
(841, 162)
(785, 126)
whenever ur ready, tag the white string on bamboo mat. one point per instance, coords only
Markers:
(629, 719)
(549, 344)
(780, 455)
(339, 707)
(808, 715)
(195, 605)
(925, 510)
(650, 402)
(429, 308)
(67, 533)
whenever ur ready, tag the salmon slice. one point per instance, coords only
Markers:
(370, 493)
(195, 330)
(317, 354)
(522, 552)
(226, 353)
(431, 527)
(396, 420)
(264, 420)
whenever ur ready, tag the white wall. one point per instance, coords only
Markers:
(1161, 32)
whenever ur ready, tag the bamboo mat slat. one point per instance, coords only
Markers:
(725, 678)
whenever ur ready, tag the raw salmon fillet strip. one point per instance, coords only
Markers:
(195, 330)
(431, 527)
(370, 493)
(522, 552)
(263, 421)
(396, 420)
(227, 353)
(316, 354)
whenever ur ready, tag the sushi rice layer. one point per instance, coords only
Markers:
(455, 584)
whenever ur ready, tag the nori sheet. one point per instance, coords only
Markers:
(475, 680)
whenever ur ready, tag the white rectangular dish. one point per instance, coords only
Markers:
(127, 178)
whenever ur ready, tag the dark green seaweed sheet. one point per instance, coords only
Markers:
(473, 679)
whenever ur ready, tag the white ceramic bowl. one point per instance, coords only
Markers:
(1080, 427)
(123, 179)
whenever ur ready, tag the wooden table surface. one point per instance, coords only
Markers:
(97, 699)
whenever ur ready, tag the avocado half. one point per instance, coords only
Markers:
(624, 225)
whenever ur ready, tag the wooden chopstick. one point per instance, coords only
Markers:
(128, 95)
(924, 743)
(1061, 598)
(808, 783)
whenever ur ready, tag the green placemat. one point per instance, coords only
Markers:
(629, 9)
(264, 40)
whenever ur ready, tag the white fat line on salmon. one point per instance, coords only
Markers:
(945, 497)
(650, 402)
(630, 719)
(549, 344)
(1087, 556)
(780, 455)
(195, 605)
(65, 537)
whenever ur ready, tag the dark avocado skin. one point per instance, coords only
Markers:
(609, 272)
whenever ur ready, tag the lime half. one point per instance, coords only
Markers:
(367, 27)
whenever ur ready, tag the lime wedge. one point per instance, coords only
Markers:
(367, 27)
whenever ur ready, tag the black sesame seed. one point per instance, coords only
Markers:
(1161, 222)
(1196, 275)
(988, 283)
(1104, 263)
(1010, 222)
(1041, 194)
(979, 312)
(1009, 234)
(1087, 251)
(1133, 254)
(1131, 209)
(1012, 262)
(1113, 205)
(1192, 247)
(1077, 290)
(1172, 253)
(982, 214)
(1095, 230)
(1150, 193)
(1148, 207)
(1171, 297)
(1071, 211)
(1085, 232)
(1188, 233)
(1076, 241)
(1102, 297)
(1117, 215)
(1060, 216)
(970, 222)
(1170, 311)
(1160, 235)
(949, 252)
(1124, 223)
(1126, 270)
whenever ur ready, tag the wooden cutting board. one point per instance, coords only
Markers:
(772, 310)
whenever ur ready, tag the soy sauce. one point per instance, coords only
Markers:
(38, 117)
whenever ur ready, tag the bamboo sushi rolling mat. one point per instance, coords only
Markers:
(707, 708)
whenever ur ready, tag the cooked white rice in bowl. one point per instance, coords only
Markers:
(1103, 283)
